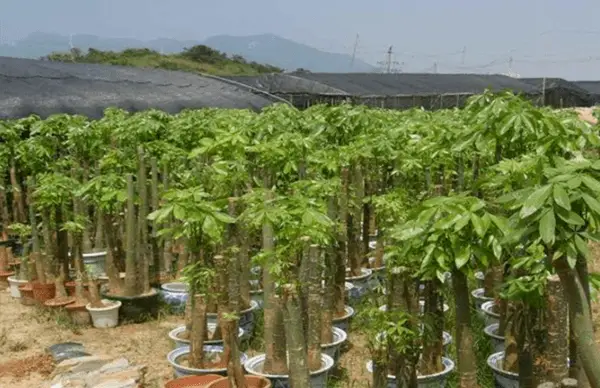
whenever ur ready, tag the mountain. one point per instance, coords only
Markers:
(267, 48)
(286, 54)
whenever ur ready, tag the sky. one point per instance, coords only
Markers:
(543, 38)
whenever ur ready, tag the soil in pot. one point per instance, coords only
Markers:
(193, 381)
(342, 321)
(138, 308)
(251, 382)
(79, 314)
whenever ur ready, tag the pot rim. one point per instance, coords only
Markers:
(448, 368)
(365, 273)
(446, 338)
(479, 275)
(116, 304)
(93, 255)
(173, 334)
(173, 355)
(340, 334)
(349, 313)
(478, 293)
(492, 363)
(246, 376)
(487, 309)
(13, 279)
(253, 306)
(153, 293)
(185, 379)
(326, 361)
(166, 287)
(491, 331)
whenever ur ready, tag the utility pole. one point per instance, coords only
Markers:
(463, 55)
(435, 67)
(389, 60)
(1, 34)
(510, 65)
(354, 52)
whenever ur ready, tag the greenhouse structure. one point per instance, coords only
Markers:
(402, 91)
(44, 88)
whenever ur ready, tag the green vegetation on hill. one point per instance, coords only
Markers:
(197, 59)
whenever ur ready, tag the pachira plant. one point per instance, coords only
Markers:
(23, 231)
(457, 234)
(392, 337)
(562, 214)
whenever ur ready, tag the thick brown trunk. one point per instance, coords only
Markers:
(467, 362)
(131, 258)
(274, 332)
(198, 333)
(511, 349)
(143, 264)
(115, 284)
(48, 260)
(552, 362)
(581, 321)
(336, 254)
(315, 308)
(100, 230)
(62, 259)
(95, 300)
(433, 330)
(18, 200)
(298, 369)
(380, 367)
(400, 299)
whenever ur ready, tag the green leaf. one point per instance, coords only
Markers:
(478, 225)
(592, 203)
(561, 198)
(547, 227)
(497, 248)
(407, 234)
(572, 261)
(462, 257)
(570, 217)
(179, 212)
(535, 201)
(592, 183)
(440, 276)
(581, 246)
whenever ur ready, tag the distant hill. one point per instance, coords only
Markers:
(196, 59)
(267, 49)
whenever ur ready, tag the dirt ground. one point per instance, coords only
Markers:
(25, 333)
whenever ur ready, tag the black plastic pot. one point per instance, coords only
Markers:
(137, 309)
(67, 350)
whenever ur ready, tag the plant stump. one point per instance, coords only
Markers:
(27, 295)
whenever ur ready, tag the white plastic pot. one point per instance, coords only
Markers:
(105, 317)
(504, 379)
(318, 379)
(209, 352)
(490, 316)
(246, 321)
(14, 284)
(437, 380)
(480, 277)
(333, 349)
(496, 340)
(421, 305)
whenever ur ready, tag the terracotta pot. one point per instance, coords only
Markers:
(4, 275)
(43, 292)
(79, 314)
(71, 285)
(193, 381)
(27, 295)
(251, 382)
(57, 303)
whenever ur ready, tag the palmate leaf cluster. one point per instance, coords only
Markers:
(452, 189)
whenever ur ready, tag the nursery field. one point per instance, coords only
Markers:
(332, 247)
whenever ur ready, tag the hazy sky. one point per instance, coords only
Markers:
(551, 37)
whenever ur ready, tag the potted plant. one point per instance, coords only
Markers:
(24, 275)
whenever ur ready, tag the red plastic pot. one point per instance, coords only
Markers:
(251, 382)
(193, 381)
(43, 292)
